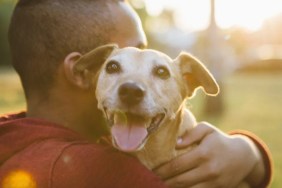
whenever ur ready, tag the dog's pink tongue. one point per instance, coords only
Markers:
(129, 137)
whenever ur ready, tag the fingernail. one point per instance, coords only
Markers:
(179, 140)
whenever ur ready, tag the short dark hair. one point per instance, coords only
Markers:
(43, 32)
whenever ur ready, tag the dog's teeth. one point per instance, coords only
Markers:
(155, 123)
(119, 117)
(149, 123)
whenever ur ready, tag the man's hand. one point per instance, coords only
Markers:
(219, 160)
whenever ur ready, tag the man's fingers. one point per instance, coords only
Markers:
(178, 165)
(195, 135)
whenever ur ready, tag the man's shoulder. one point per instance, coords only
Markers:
(101, 166)
(31, 138)
(32, 146)
(58, 157)
(42, 150)
(61, 163)
(45, 160)
(12, 116)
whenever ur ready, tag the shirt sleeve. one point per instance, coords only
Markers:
(88, 166)
(266, 155)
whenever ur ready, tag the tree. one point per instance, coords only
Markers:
(6, 8)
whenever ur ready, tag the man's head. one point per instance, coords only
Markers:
(43, 32)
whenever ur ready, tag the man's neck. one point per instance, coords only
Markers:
(70, 112)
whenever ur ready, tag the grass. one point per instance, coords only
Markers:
(252, 102)
(11, 94)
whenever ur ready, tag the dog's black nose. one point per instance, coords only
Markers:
(131, 93)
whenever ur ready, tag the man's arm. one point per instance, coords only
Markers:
(219, 160)
(263, 171)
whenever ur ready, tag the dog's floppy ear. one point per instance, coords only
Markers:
(95, 58)
(86, 66)
(196, 75)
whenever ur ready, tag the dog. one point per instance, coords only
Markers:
(142, 95)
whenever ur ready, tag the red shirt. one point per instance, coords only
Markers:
(45, 154)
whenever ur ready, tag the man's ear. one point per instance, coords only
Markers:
(196, 75)
(69, 63)
(80, 69)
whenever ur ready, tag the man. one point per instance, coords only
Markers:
(54, 144)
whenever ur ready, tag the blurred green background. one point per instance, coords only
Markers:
(245, 59)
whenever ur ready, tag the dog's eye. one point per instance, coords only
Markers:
(162, 72)
(113, 67)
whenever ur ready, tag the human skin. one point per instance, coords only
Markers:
(208, 165)
(212, 162)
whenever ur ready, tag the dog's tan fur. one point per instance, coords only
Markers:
(165, 96)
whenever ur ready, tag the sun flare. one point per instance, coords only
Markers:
(191, 15)
(249, 14)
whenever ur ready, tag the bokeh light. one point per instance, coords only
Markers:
(18, 179)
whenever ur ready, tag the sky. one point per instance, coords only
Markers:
(193, 15)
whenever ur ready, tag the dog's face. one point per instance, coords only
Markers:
(138, 90)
